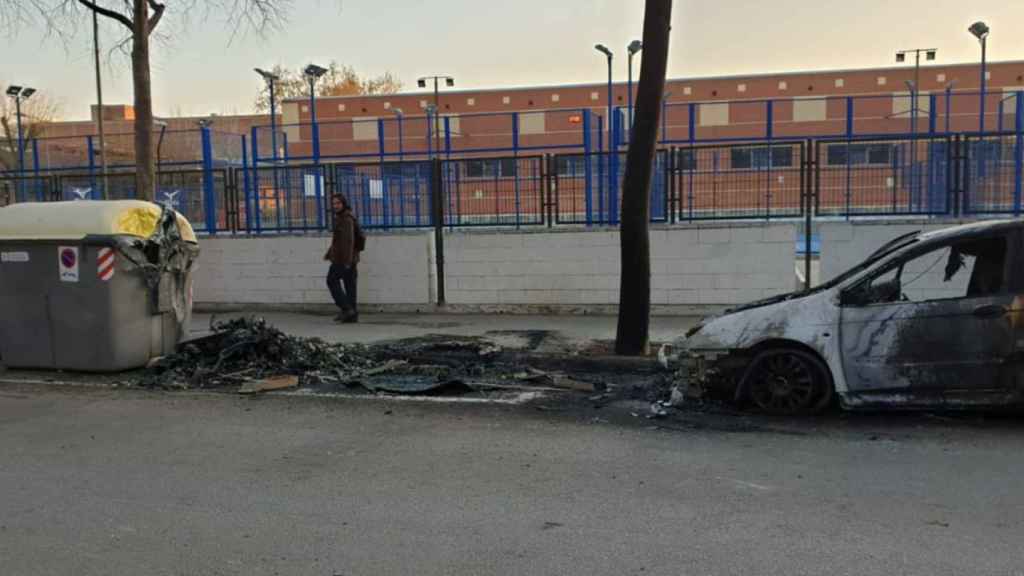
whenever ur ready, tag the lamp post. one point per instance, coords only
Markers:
(634, 47)
(99, 102)
(611, 117)
(901, 57)
(271, 80)
(449, 82)
(19, 94)
(313, 73)
(398, 117)
(980, 30)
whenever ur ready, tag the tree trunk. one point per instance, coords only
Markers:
(145, 161)
(635, 282)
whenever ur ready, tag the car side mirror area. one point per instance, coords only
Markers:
(853, 297)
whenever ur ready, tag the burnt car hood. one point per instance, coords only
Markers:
(800, 317)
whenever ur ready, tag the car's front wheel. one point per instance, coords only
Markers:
(788, 382)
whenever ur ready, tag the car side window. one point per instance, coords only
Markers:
(965, 269)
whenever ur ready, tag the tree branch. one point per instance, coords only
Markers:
(158, 12)
(107, 12)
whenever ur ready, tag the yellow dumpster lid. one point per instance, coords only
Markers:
(80, 218)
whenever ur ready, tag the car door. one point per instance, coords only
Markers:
(939, 319)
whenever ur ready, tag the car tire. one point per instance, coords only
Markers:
(788, 382)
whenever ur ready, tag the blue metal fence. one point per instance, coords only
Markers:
(871, 156)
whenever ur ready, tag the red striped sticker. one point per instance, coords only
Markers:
(105, 264)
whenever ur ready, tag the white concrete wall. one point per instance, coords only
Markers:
(690, 266)
(396, 269)
(845, 244)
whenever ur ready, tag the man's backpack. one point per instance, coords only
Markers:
(360, 236)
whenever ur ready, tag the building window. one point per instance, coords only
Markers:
(570, 165)
(840, 82)
(686, 159)
(470, 101)
(859, 154)
(341, 107)
(502, 168)
(555, 97)
(763, 157)
(940, 78)
(783, 85)
(741, 88)
(594, 96)
(882, 80)
(506, 100)
(687, 91)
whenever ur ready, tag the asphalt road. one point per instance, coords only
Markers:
(99, 481)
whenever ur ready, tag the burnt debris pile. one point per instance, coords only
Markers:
(248, 349)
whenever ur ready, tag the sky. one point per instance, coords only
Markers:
(199, 68)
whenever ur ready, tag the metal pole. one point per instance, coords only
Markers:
(611, 146)
(629, 95)
(273, 120)
(437, 119)
(401, 153)
(949, 96)
(981, 119)
(312, 116)
(913, 125)
(21, 136)
(99, 104)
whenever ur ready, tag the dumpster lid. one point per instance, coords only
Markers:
(77, 219)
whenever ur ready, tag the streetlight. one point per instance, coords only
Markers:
(313, 73)
(398, 115)
(612, 153)
(449, 82)
(271, 80)
(634, 47)
(980, 30)
(19, 93)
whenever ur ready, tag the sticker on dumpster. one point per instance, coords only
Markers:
(14, 257)
(105, 264)
(67, 257)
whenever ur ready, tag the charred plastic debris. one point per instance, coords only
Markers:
(248, 355)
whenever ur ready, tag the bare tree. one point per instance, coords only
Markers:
(140, 18)
(35, 113)
(632, 337)
(337, 81)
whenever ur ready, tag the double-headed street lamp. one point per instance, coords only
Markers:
(980, 30)
(19, 93)
(313, 73)
(271, 80)
(634, 47)
(611, 117)
(449, 82)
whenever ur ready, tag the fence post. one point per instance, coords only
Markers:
(670, 184)
(515, 162)
(613, 167)
(35, 168)
(92, 168)
(209, 200)
(849, 121)
(769, 121)
(1018, 152)
(438, 213)
(692, 122)
(807, 161)
(588, 169)
(246, 189)
(932, 117)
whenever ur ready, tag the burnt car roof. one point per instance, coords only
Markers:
(971, 228)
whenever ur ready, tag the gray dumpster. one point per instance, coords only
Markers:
(93, 286)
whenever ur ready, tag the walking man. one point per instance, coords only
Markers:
(346, 244)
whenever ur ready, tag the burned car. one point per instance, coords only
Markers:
(931, 319)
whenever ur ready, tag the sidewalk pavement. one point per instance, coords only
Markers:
(380, 327)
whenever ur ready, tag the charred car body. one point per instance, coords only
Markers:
(930, 319)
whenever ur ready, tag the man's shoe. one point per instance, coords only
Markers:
(341, 317)
(351, 318)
